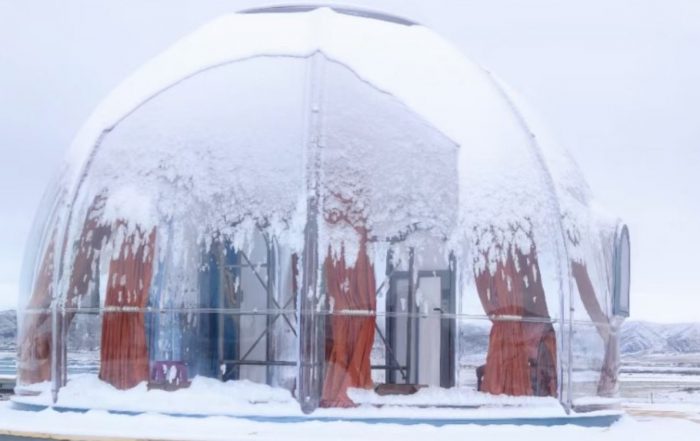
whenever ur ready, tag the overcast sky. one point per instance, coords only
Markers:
(617, 81)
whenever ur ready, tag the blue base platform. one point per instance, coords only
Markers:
(583, 420)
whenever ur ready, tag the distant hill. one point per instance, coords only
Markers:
(8, 330)
(638, 338)
(84, 332)
(654, 338)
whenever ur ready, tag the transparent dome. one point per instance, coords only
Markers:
(294, 209)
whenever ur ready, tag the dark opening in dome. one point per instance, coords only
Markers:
(339, 9)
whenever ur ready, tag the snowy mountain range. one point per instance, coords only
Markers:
(655, 338)
(638, 338)
(8, 329)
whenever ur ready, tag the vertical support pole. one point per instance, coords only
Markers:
(565, 325)
(411, 325)
(569, 340)
(55, 371)
(220, 260)
(63, 335)
(390, 321)
(311, 324)
(55, 337)
(269, 322)
(234, 263)
(448, 328)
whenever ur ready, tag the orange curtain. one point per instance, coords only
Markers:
(35, 348)
(124, 350)
(608, 374)
(521, 358)
(350, 345)
(34, 351)
(84, 270)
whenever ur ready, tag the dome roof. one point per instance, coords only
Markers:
(334, 148)
(495, 166)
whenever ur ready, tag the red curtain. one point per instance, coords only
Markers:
(34, 351)
(521, 358)
(35, 348)
(84, 270)
(608, 375)
(124, 350)
(351, 337)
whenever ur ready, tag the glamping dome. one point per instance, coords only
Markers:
(318, 210)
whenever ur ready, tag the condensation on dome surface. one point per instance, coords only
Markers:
(319, 210)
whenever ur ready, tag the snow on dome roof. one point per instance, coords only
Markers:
(506, 192)
(393, 57)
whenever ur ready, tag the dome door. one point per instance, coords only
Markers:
(420, 328)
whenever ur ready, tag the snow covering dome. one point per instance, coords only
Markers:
(322, 202)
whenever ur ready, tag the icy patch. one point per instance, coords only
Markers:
(129, 203)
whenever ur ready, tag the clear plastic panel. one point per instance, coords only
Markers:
(595, 366)
(121, 337)
(419, 340)
(90, 371)
(199, 158)
(310, 265)
(384, 168)
(386, 176)
(34, 320)
(595, 334)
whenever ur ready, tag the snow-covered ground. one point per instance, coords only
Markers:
(208, 396)
(154, 426)
(661, 399)
(658, 405)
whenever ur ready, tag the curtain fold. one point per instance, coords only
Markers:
(608, 374)
(521, 358)
(124, 350)
(350, 345)
(34, 351)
